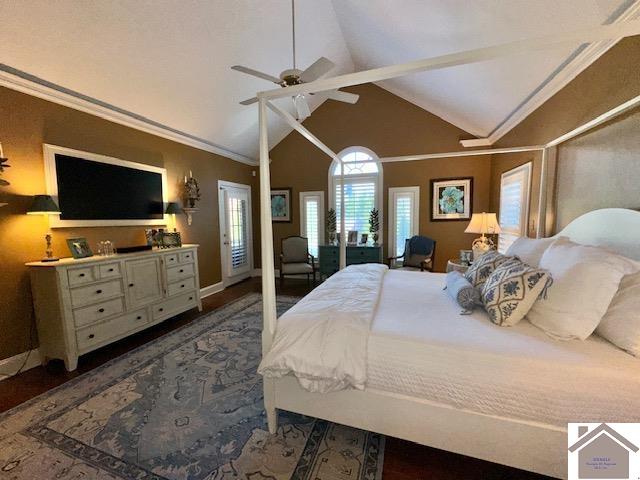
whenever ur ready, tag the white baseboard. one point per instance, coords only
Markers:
(9, 366)
(211, 289)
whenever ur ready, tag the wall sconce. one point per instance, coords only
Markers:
(44, 205)
(192, 195)
(190, 212)
(3, 165)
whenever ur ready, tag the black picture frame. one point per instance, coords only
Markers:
(438, 183)
(287, 194)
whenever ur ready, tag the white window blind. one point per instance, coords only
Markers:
(403, 217)
(312, 219)
(360, 199)
(514, 205)
(238, 232)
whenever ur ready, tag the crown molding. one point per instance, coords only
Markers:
(583, 57)
(31, 85)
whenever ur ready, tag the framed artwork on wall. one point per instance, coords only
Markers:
(451, 199)
(281, 205)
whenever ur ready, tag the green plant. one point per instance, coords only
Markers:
(374, 221)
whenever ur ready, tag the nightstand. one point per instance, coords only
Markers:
(455, 264)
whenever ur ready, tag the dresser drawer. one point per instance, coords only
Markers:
(109, 270)
(96, 334)
(185, 257)
(182, 286)
(181, 271)
(174, 305)
(95, 293)
(80, 276)
(171, 259)
(87, 315)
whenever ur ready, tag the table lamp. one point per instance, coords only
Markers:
(482, 223)
(172, 209)
(44, 205)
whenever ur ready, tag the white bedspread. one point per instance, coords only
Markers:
(322, 340)
(420, 346)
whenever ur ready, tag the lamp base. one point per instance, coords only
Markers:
(50, 259)
(481, 246)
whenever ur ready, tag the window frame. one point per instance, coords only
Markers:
(334, 180)
(525, 199)
(394, 192)
(303, 215)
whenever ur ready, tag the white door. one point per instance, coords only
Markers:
(235, 231)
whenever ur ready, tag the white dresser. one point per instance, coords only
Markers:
(84, 304)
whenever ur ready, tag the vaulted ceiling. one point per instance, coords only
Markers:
(166, 63)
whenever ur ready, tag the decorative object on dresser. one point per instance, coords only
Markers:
(374, 224)
(352, 237)
(419, 252)
(466, 257)
(483, 223)
(281, 204)
(364, 239)
(329, 257)
(84, 304)
(44, 205)
(79, 247)
(451, 199)
(295, 258)
(331, 225)
(169, 239)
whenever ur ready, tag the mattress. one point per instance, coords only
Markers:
(420, 346)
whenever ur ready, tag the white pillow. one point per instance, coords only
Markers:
(621, 323)
(530, 250)
(585, 280)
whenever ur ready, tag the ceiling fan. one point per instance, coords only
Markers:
(294, 76)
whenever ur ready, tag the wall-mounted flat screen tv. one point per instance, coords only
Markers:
(95, 190)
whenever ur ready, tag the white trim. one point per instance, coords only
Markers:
(476, 142)
(227, 280)
(462, 153)
(321, 210)
(211, 290)
(414, 192)
(9, 366)
(582, 35)
(51, 180)
(525, 197)
(51, 94)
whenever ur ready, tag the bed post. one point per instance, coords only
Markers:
(268, 271)
(343, 235)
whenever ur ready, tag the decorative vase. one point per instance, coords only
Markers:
(375, 238)
(332, 237)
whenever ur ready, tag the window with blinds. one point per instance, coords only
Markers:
(514, 205)
(238, 232)
(361, 188)
(403, 217)
(312, 219)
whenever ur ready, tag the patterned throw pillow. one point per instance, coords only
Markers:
(511, 291)
(482, 268)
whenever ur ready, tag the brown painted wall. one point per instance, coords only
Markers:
(390, 126)
(27, 123)
(607, 83)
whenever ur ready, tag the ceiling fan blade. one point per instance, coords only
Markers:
(249, 101)
(302, 107)
(316, 70)
(340, 96)
(256, 73)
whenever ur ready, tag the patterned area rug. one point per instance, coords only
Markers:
(185, 406)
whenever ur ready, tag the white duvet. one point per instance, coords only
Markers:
(322, 340)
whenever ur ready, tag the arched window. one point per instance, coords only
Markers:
(362, 188)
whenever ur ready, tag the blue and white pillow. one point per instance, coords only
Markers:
(465, 294)
(511, 290)
(482, 268)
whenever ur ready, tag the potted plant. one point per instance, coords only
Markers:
(331, 225)
(374, 225)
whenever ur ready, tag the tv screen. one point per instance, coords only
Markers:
(89, 190)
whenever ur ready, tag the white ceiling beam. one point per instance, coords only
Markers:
(466, 153)
(293, 123)
(599, 120)
(592, 34)
(476, 142)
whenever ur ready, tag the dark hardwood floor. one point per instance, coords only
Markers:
(403, 460)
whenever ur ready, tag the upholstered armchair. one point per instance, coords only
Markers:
(419, 252)
(295, 258)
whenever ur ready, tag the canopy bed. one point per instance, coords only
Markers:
(456, 383)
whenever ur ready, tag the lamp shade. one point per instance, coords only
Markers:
(483, 223)
(173, 208)
(43, 205)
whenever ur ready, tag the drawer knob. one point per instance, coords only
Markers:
(131, 285)
(98, 292)
(91, 335)
(190, 298)
(81, 275)
(111, 269)
(101, 310)
(181, 286)
(181, 271)
(161, 309)
(139, 317)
